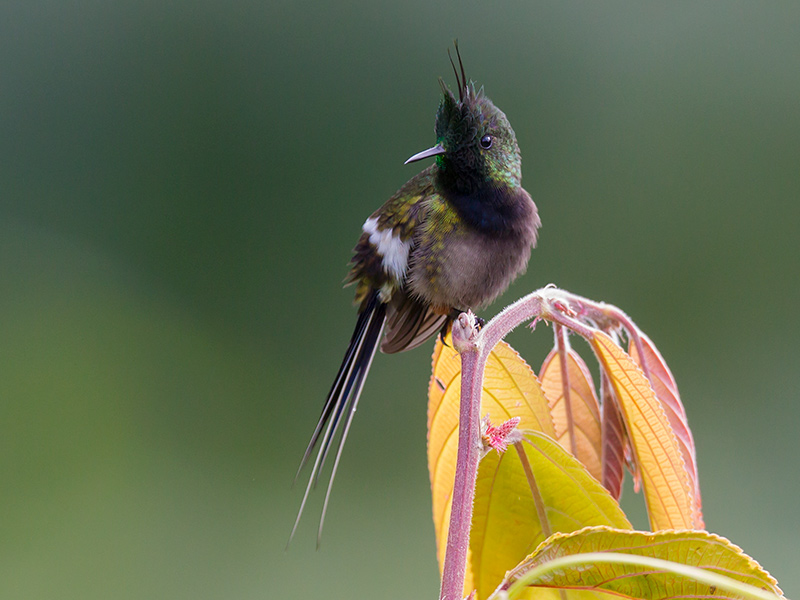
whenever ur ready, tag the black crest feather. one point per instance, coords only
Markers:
(461, 83)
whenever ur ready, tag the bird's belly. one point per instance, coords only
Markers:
(469, 271)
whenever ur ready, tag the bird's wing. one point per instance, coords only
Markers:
(409, 323)
(380, 258)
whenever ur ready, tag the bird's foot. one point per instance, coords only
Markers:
(479, 323)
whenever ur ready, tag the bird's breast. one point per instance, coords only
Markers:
(456, 264)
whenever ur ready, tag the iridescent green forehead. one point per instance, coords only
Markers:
(468, 118)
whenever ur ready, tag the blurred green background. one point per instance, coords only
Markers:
(181, 184)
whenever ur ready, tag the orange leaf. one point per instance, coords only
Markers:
(666, 390)
(510, 389)
(667, 486)
(615, 441)
(574, 407)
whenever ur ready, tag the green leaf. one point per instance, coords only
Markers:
(514, 511)
(593, 560)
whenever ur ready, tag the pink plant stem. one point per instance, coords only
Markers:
(472, 366)
(604, 312)
(474, 348)
(455, 562)
(524, 309)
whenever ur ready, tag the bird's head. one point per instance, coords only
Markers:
(476, 145)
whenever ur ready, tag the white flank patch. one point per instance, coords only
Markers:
(391, 248)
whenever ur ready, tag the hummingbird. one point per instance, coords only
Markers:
(450, 240)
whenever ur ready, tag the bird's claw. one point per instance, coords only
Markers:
(443, 333)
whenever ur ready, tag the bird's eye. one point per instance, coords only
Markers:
(486, 142)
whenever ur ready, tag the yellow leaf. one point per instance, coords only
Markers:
(574, 407)
(667, 487)
(698, 549)
(666, 390)
(510, 389)
(506, 526)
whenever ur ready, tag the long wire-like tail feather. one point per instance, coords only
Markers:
(342, 401)
(336, 389)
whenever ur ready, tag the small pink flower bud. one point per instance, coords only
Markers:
(499, 437)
